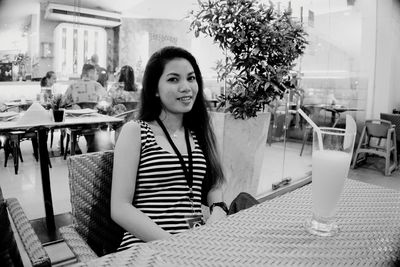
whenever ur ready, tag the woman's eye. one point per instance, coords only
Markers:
(173, 79)
(192, 78)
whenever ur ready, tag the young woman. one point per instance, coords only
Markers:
(166, 164)
(46, 84)
(124, 92)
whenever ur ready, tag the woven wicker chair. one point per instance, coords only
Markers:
(9, 255)
(93, 232)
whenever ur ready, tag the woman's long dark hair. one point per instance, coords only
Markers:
(43, 81)
(197, 120)
(128, 77)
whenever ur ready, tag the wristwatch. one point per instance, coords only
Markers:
(222, 205)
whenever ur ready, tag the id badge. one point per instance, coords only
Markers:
(194, 221)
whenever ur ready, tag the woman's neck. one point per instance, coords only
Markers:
(173, 122)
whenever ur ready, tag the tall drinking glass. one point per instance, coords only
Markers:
(330, 167)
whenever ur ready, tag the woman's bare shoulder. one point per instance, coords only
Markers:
(131, 127)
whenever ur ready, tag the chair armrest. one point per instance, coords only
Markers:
(78, 246)
(33, 247)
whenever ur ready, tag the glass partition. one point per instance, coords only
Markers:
(332, 83)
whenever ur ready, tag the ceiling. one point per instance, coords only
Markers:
(12, 13)
(170, 9)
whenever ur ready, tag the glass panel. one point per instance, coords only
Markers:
(330, 82)
(75, 52)
(96, 39)
(64, 50)
(85, 46)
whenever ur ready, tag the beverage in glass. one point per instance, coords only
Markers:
(330, 167)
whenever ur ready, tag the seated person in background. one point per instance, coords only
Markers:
(46, 84)
(101, 72)
(85, 92)
(123, 91)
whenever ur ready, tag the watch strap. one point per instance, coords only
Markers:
(222, 205)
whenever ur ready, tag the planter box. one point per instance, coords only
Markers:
(241, 144)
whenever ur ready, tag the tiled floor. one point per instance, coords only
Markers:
(26, 186)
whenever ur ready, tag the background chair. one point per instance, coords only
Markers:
(73, 134)
(12, 147)
(9, 253)
(373, 134)
(395, 120)
(129, 105)
(93, 232)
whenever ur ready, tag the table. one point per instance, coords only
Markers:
(272, 233)
(20, 105)
(41, 129)
(213, 102)
(337, 110)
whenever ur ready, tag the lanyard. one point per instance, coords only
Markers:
(187, 171)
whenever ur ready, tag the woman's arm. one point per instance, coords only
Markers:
(126, 162)
(214, 196)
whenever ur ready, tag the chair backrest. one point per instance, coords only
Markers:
(129, 105)
(128, 115)
(90, 105)
(395, 120)
(377, 128)
(9, 254)
(90, 177)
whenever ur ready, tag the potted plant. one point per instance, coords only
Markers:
(56, 105)
(260, 47)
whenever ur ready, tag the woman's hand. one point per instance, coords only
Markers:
(217, 214)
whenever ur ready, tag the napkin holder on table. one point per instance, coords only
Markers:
(36, 114)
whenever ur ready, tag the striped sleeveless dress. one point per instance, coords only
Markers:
(162, 192)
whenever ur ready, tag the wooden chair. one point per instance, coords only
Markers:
(129, 105)
(72, 134)
(395, 120)
(12, 147)
(93, 232)
(9, 253)
(372, 136)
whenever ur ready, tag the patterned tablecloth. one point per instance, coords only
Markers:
(272, 234)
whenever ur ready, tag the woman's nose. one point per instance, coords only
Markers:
(184, 86)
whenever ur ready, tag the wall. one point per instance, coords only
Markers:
(140, 38)
(384, 96)
(395, 62)
(46, 34)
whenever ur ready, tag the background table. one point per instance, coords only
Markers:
(272, 234)
(41, 129)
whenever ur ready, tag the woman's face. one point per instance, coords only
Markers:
(177, 87)
(52, 80)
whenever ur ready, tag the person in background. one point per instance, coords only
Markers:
(46, 84)
(173, 148)
(101, 72)
(124, 94)
(85, 93)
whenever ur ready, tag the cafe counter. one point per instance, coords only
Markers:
(27, 90)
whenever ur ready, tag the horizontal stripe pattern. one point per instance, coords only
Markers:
(162, 192)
